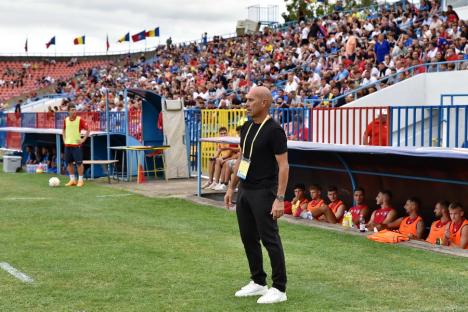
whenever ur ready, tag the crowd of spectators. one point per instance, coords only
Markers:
(306, 63)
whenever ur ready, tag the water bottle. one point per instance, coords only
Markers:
(345, 222)
(350, 220)
(362, 224)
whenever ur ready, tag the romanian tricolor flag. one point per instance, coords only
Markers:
(79, 40)
(153, 32)
(125, 38)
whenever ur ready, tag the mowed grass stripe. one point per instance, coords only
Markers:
(132, 253)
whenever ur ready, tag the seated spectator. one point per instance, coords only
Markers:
(299, 202)
(383, 215)
(359, 207)
(229, 167)
(317, 206)
(457, 233)
(452, 16)
(413, 224)
(336, 205)
(217, 162)
(439, 226)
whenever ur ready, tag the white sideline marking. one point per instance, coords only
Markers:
(19, 275)
(24, 198)
(114, 195)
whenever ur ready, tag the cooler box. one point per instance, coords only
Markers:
(11, 163)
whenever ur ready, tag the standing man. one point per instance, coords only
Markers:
(72, 139)
(263, 171)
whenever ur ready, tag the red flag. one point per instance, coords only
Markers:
(107, 42)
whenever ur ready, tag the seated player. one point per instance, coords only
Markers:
(336, 205)
(299, 202)
(413, 224)
(317, 206)
(359, 207)
(30, 155)
(439, 226)
(383, 215)
(457, 232)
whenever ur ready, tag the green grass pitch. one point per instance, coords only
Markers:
(133, 253)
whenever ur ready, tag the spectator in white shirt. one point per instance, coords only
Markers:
(291, 84)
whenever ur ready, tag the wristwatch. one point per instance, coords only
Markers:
(280, 198)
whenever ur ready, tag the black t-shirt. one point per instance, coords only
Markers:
(270, 141)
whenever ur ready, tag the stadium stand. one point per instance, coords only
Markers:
(326, 62)
(25, 77)
(329, 61)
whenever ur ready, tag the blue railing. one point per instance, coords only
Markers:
(440, 126)
(413, 70)
(3, 123)
(192, 136)
(96, 121)
(413, 126)
(451, 99)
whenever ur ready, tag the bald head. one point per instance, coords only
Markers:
(262, 94)
(259, 100)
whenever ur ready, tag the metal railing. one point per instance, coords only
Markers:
(96, 121)
(413, 126)
(78, 54)
(452, 99)
(397, 77)
(419, 126)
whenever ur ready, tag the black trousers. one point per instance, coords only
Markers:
(253, 209)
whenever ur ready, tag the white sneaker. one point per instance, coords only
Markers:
(206, 184)
(212, 186)
(273, 295)
(252, 289)
(221, 187)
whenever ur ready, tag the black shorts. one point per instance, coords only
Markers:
(73, 154)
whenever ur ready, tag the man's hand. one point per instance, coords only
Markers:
(277, 210)
(83, 140)
(228, 198)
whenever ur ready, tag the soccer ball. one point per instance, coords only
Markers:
(54, 182)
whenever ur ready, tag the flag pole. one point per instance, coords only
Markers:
(84, 45)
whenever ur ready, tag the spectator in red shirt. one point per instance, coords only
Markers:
(452, 16)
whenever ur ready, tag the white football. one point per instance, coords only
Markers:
(54, 182)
